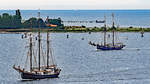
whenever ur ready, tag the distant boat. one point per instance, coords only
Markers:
(67, 35)
(36, 69)
(142, 33)
(109, 46)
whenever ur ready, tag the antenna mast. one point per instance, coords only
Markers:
(113, 29)
(39, 40)
(47, 44)
(105, 31)
(31, 46)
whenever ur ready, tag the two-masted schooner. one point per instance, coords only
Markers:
(49, 70)
(109, 46)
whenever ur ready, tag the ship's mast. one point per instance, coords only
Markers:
(113, 30)
(39, 40)
(47, 45)
(105, 31)
(31, 46)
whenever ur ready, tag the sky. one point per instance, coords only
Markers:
(74, 4)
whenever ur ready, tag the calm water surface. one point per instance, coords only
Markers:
(80, 62)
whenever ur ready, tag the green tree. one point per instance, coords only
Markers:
(17, 19)
(33, 21)
(6, 21)
(41, 22)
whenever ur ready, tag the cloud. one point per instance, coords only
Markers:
(74, 4)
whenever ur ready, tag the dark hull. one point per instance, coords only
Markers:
(110, 48)
(37, 76)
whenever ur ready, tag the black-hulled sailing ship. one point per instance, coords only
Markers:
(40, 71)
(109, 46)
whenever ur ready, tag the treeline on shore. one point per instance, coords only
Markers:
(66, 29)
(15, 21)
(101, 29)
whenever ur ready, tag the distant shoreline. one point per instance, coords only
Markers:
(20, 30)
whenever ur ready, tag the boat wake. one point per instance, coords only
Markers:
(121, 74)
(136, 49)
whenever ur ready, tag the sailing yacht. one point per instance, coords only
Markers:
(109, 46)
(49, 70)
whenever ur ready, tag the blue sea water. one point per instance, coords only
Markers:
(81, 63)
(123, 18)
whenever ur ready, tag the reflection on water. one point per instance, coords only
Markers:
(80, 62)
